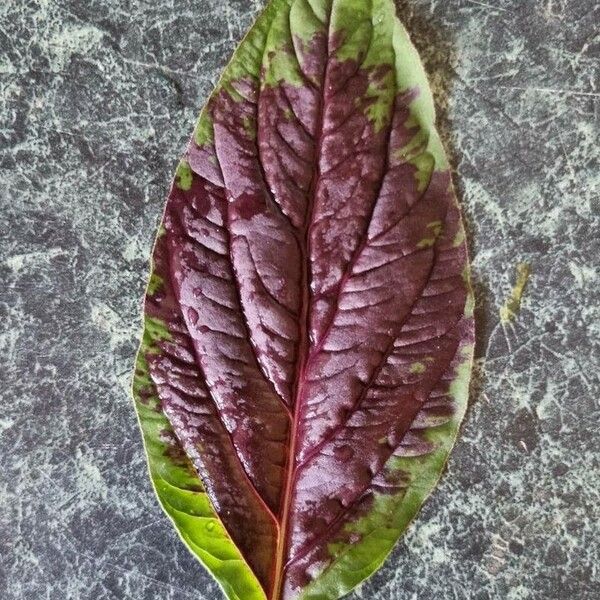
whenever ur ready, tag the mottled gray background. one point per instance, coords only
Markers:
(97, 98)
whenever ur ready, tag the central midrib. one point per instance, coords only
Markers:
(304, 342)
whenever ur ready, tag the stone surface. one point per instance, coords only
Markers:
(97, 99)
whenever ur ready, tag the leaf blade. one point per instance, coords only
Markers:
(263, 175)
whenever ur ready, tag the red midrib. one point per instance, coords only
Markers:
(303, 345)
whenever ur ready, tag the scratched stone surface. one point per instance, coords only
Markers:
(97, 99)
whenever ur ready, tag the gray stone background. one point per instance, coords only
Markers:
(97, 99)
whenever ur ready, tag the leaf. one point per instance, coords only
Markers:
(308, 329)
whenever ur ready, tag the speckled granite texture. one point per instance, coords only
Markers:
(97, 99)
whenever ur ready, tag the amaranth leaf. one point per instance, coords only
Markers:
(308, 322)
